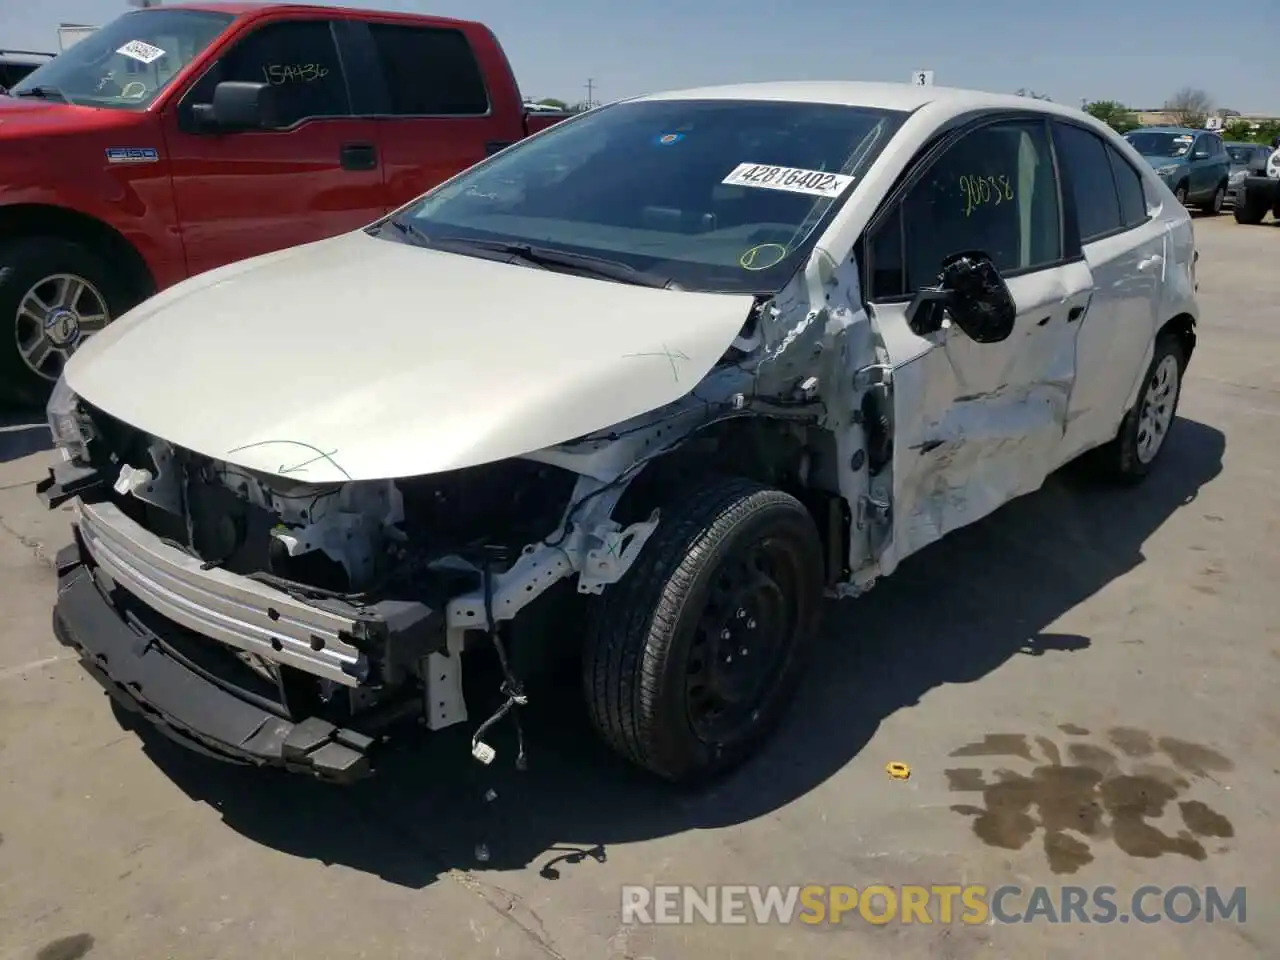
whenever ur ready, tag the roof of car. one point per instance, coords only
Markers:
(881, 96)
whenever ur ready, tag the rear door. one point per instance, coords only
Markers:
(316, 175)
(976, 424)
(1124, 245)
(440, 112)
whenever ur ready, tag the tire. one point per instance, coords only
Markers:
(1128, 459)
(654, 658)
(1249, 212)
(1180, 193)
(44, 267)
(1213, 206)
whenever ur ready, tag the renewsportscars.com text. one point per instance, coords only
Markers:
(940, 903)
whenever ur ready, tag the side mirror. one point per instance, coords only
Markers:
(972, 292)
(239, 105)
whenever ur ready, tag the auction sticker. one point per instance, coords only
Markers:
(142, 51)
(791, 179)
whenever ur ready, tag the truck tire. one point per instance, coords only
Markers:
(1144, 432)
(53, 293)
(692, 657)
(1249, 211)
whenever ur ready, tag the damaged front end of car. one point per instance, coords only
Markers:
(266, 619)
(306, 619)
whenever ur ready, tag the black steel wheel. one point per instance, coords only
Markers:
(692, 657)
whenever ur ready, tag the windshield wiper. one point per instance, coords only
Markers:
(44, 92)
(408, 231)
(550, 258)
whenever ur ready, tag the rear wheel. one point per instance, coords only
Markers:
(1144, 432)
(1214, 205)
(53, 294)
(692, 657)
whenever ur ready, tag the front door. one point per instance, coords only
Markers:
(316, 175)
(976, 424)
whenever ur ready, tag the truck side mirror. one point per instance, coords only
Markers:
(239, 105)
(973, 293)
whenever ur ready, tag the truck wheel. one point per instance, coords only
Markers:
(691, 658)
(1130, 457)
(1249, 211)
(53, 294)
(1213, 206)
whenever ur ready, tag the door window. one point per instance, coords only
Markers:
(430, 71)
(1086, 167)
(1133, 199)
(993, 191)
(297, 57)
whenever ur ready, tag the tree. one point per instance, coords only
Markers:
(1238, 130)
(1028, 92)
(1114, 114)
(1189, 107)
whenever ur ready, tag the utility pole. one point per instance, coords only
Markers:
(591, 85)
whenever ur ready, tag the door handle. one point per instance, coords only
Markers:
(1151, 262)
(358, 156)
(1076, 312)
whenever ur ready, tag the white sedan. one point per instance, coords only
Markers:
(651, 383)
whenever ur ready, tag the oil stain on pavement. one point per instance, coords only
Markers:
(1079, 793)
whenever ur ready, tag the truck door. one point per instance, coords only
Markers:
(975, 424)
(438, 113)
(315, 175)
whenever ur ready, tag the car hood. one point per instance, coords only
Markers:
(1163, 161)
(25, 116)
(361, 358)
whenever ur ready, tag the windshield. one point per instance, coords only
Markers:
(711, 195)
(1243, 155)
(126, 63)
(1153, 144)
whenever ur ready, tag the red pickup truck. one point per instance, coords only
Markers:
(179, 138)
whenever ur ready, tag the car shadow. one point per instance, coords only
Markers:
(22, 433)
(951, 614)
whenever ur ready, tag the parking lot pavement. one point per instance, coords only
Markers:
(1080, 632)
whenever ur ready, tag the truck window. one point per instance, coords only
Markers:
(298, 57)
(430, 71)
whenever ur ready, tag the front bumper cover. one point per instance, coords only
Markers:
(141, 675)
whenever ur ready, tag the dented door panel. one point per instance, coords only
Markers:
(976, 425)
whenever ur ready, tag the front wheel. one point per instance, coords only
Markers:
(1180, 194)
(53, 294)
(692, 657)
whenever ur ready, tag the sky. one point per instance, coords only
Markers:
(1139, 52)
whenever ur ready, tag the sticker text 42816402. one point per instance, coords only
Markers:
(816, 183)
